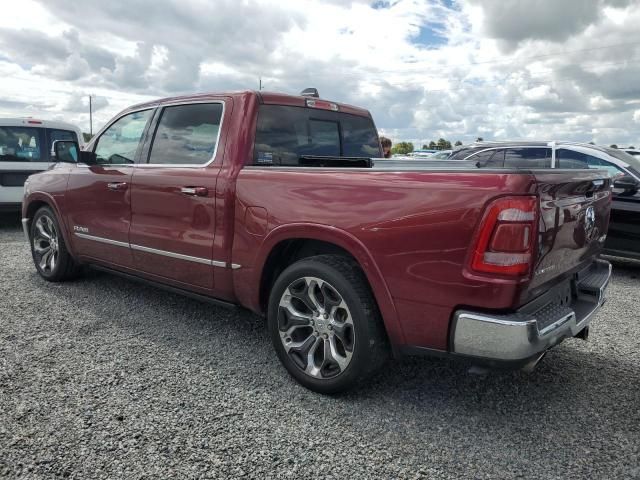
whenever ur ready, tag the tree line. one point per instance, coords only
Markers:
(402, 148)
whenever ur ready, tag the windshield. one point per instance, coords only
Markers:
(20, 144)
(284, 134)
(634, 162)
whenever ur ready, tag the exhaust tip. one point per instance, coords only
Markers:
(583, 334)
(531, 366)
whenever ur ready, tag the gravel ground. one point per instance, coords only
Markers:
(105, 378)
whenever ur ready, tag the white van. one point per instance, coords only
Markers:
(25, 148)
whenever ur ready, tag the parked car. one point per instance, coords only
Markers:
(25, 148)
(441, 155)
(623, 237)
(422, 153)
(272, 202)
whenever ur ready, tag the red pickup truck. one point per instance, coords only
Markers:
(278, 203)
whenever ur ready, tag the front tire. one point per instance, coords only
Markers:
(325, 325)
(48, 250)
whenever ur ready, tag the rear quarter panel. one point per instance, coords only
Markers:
(415, 227)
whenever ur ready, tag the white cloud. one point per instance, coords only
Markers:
(496, 69)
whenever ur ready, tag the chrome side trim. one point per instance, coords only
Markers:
(102, 240)
(180, 256)
(25, 228)
(164, 253)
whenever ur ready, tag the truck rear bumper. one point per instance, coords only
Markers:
(535, 328)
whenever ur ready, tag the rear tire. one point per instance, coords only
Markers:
(325, 325)
(48, 249)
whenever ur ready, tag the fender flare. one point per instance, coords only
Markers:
(348, 242)
(44, 197)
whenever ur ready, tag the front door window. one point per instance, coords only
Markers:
(119, 143)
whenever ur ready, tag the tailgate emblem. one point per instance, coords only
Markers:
(589, 220)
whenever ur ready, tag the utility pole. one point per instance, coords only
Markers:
(90, 117)
(259, 83)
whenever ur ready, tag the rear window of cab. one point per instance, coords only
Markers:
(285, 133)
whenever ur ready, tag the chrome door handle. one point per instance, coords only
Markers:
(117, 186)
(195, 191)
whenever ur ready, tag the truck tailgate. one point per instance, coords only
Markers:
(574, 217)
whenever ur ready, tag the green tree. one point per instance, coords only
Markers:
(442, 144)
(591, 143)
(425, 146)
(631, 147)
(458, 143)
(86, 136)
(402, 148)
(614, 146)
(432, 145)
(479, 139)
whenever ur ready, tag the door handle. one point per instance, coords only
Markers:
(195, 191)
(117, 186)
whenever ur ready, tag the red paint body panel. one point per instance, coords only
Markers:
(409, 230)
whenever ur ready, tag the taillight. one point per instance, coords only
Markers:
(505, 241)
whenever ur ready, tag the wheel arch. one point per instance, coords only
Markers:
(288, 244)
(38, 200)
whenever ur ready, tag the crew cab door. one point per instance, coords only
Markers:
(173, 195)
(97, 201)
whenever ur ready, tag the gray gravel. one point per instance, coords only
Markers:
(105, 378)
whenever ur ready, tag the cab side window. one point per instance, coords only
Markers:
(571, 159)
(493, 158)
(118, 143)
(186, 134)
(527, 158)
(20, 144)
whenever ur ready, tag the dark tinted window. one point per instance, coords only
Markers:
(572, 159)
(61, 135)
(21, 144)
(489, 158)
(118, 143)
(284, 134)
(187, 134)
(55, 135)
(527, 158)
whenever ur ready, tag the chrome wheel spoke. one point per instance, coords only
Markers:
(343, 332)
(39, 249)
(45, 259)
(302, 290)
(41, 230)
(312, 369)
(341, 360)
(52, 260)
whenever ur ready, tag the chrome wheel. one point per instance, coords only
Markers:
(316, 327)
(46, 244)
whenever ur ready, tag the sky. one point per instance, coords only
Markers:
(457, 69)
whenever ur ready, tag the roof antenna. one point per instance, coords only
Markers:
(310, 92)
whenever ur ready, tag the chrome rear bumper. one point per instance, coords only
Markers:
(525, 334)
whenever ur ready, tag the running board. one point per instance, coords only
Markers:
(164, 286)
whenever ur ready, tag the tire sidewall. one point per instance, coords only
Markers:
(358, 367)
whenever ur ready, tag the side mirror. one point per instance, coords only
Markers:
(627, 184)
(69, 152)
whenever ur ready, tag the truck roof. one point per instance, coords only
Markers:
(267, 98)
(37, 123)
